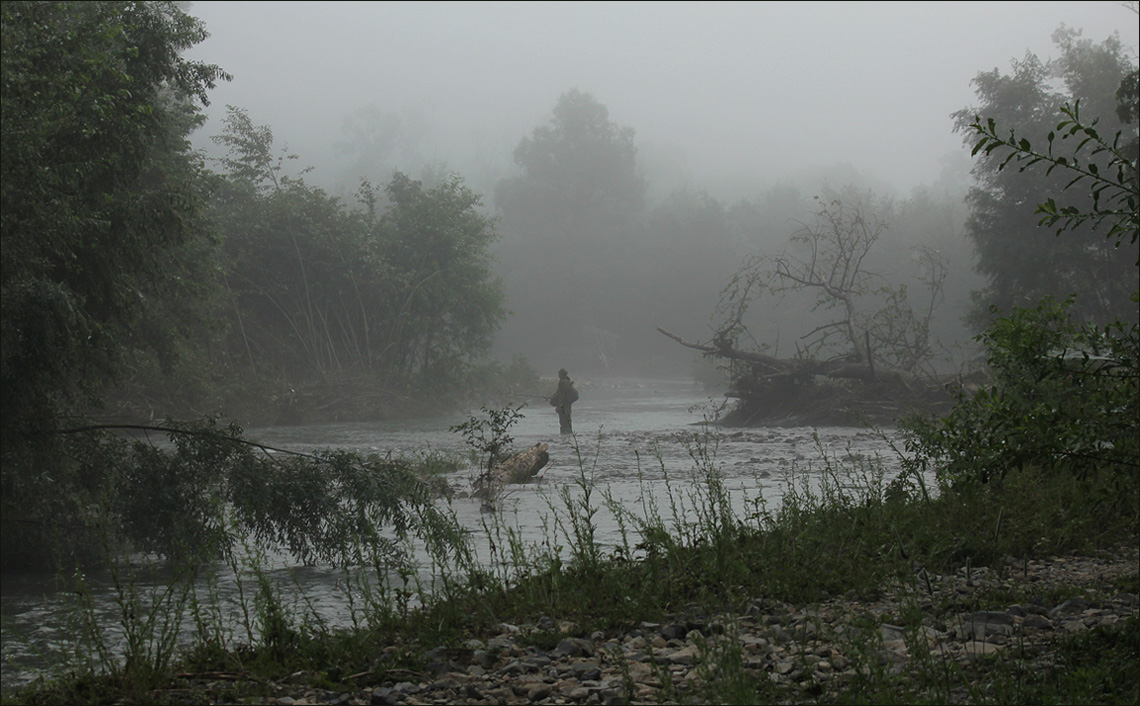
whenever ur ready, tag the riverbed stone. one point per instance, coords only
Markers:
(505, 668)
(573, 647)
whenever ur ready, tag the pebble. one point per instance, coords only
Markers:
(800, 646)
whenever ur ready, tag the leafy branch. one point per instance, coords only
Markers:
(1113, 185)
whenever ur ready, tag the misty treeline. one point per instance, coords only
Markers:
(139, 277)
(593, 265)
(141, 280)
(1036, 237)
(790, 285)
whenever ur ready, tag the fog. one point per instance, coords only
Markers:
(728, 98)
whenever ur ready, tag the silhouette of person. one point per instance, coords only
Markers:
(561, 400)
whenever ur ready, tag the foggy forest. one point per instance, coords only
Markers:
(912, 225)
(629, 203)
(282, 227)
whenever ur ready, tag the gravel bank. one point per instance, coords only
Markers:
(808, 649)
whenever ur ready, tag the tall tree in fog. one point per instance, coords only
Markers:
(378, 143)
(686, 248)
(565, 220)
(1021, 262)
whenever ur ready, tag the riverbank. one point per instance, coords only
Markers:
(1023, 620)
(1019, 592)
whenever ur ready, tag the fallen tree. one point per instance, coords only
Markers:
(803, 392)
(870, 363)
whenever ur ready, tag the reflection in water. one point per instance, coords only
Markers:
(644, 446)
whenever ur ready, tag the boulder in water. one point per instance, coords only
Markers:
(519, 468)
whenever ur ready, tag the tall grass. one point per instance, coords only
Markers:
(840, 529)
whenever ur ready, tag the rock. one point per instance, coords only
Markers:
(1037, 622)
(1075, 626)
(537, 692)
(977, 649)
(988, 623)
(585, 671)
(1073, 605)
(581, 671)
(385, 697)
(891, 633)
(519, 468)
(686, 655)
(483, 658)
(577, 693)
(573, 647)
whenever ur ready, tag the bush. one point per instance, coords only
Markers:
(1062, 397)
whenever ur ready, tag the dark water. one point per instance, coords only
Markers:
(643, 445)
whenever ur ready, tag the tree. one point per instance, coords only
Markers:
(401, 292)
(450, 303)
(1062, 394)
(875, 338)
(1020, 264)
(1114, 188)
(1061, 397)
(100, 190)
(376, 143)
(829, 259)
(567, 220)
(101, 200)
(579, 173)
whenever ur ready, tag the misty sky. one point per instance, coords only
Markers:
(730, 90)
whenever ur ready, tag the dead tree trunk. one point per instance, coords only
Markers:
(783, 390)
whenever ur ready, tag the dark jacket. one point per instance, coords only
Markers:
(565, 395)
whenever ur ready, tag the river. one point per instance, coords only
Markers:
(643, 444)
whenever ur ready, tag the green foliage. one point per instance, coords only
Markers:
(114, 285)
(448, 303)
(1064, 394)
(495, 380)
(106, 260)
(209, 491)
(406, 294)
(489, 434)
(1008, 204)
(1097, 667)
(100, 196)
(1064, 398)
(840, 531)
(1115, 188)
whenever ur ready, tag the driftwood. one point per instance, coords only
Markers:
(519, 468)
(769, 367)
(780, 391)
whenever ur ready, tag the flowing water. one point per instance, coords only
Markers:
(643, 445)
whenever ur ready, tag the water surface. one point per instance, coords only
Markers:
(644, 445)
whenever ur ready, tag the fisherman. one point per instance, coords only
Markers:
(561, 400)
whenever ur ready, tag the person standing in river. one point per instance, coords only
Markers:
(561, 400)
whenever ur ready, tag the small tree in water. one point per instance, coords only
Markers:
(488, 434)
